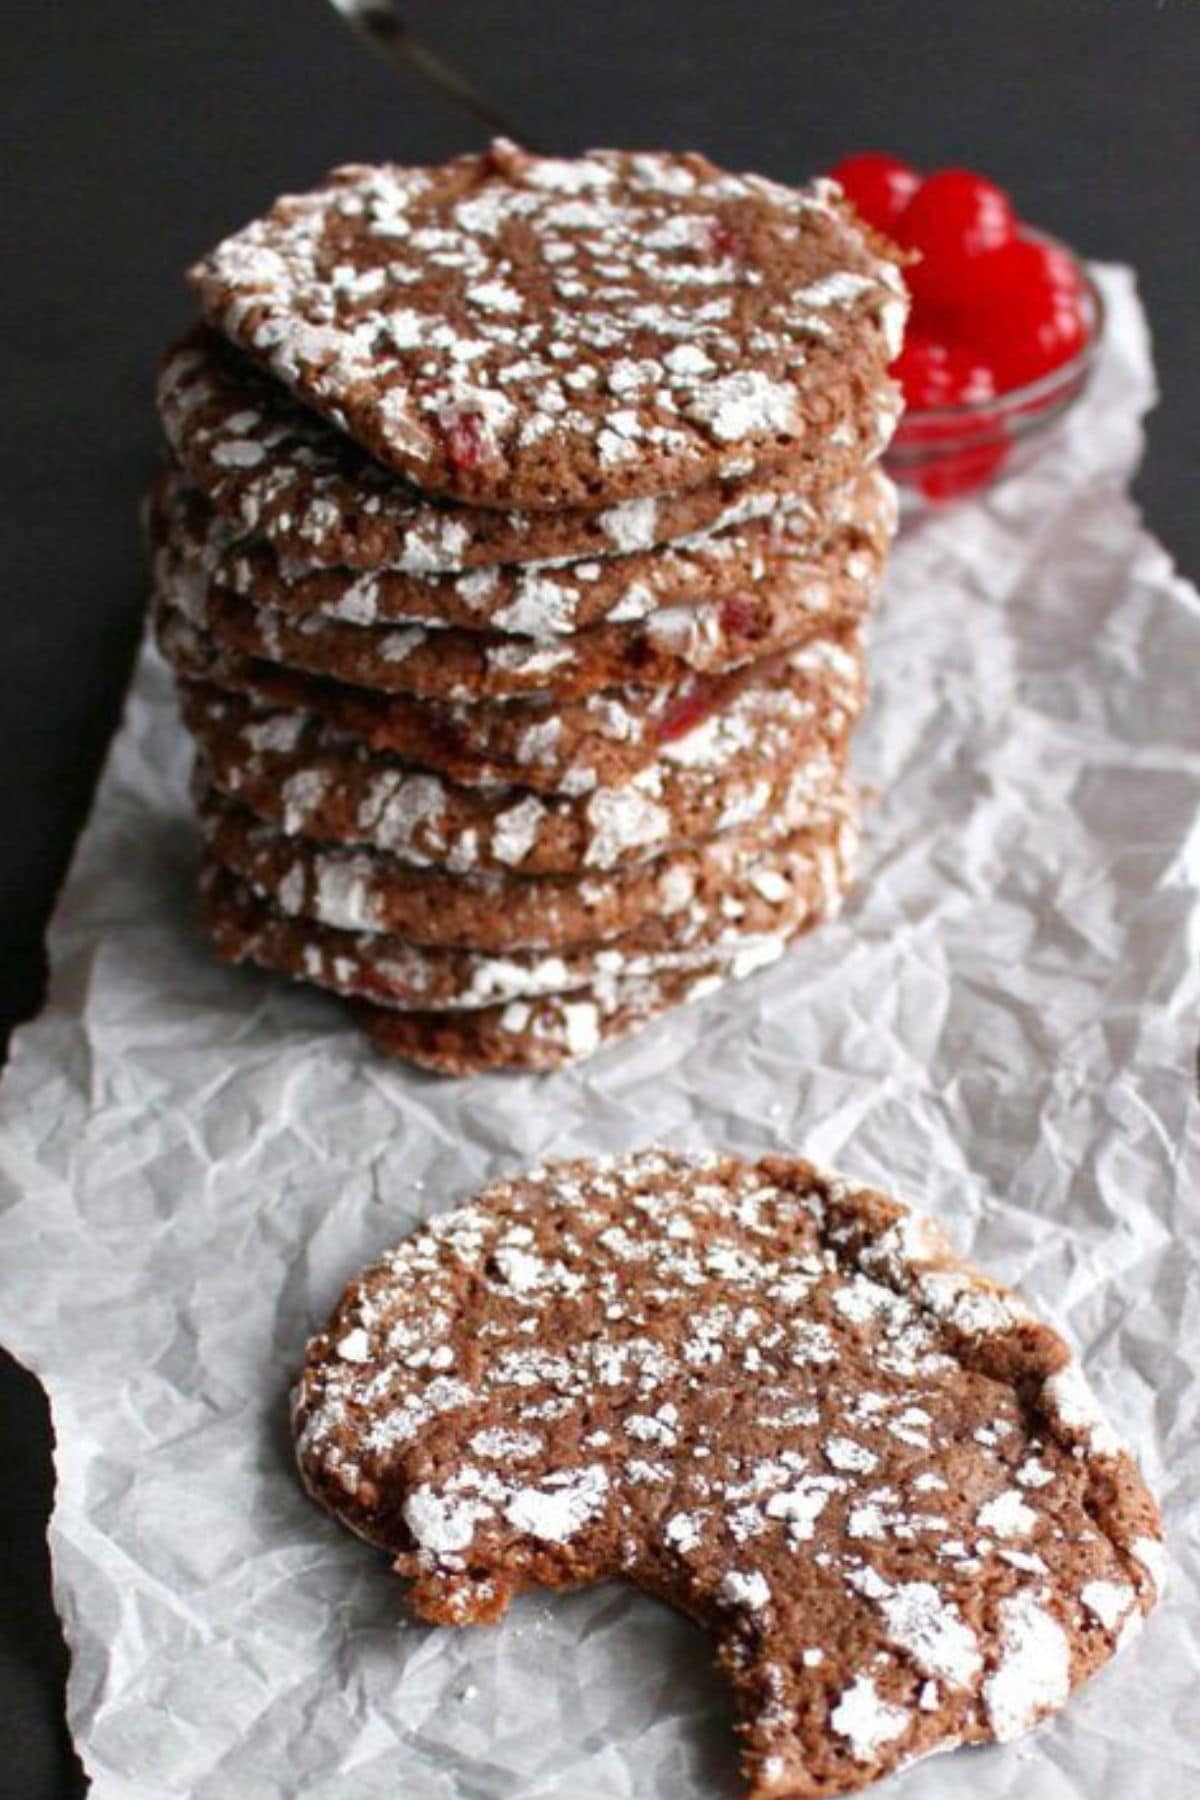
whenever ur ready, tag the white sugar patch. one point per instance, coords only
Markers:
(1007, 1515)
(561, 1506)
(865, 1720)
(933, 1631)
(515, 832)
(682, 1532)
(1107, 1601)
(744, 404)
(1034, 1674)
(443, 1524)
(631, 525)
(1069, 1395)
(803, 1505)
(355, 1347)
(751, 1590)
(623, 819)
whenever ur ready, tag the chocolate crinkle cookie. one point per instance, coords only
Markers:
(520, 331)
(769, 1396)
(283, 477)
(520, 527)
(773, 742)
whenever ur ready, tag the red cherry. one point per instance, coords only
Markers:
(1056, 266)
(962, 471)
(954, 218)
(726, 240)
(1031, 316)
(878, 186)
(690, 704)
(934, 373)
(1027, 265)
(739, 616)
(925, 320)
(465, 441)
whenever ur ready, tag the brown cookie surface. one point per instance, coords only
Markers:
(275, 470)
(572, 747)
(765, 905)
(829, 592)
(773, 742)
(539, 601)
(364, 891)
(537, 1035)
(519, 331)
(773, 1398)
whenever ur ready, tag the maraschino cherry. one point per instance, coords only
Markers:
(994, 306)
(879, 187)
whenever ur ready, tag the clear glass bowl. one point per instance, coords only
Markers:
(941, 453)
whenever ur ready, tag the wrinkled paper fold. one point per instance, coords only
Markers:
(193, 1160)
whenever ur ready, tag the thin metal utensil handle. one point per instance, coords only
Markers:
(380, 26)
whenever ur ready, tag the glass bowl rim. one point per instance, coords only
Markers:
(1046, 387)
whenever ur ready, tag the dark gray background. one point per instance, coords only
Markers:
(141, 132)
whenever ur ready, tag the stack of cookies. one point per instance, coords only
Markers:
(521, 522)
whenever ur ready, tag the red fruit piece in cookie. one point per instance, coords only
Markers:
(692, 703)
(465, 444)
(727, 240)
(739, 616)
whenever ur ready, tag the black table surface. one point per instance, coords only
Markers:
(140, 133)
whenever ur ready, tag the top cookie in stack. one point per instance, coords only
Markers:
(521, 521)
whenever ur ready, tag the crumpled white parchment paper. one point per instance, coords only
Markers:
(194, 1160)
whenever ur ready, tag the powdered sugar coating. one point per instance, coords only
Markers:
(536, 600)
(804, 597)
(775, 741)
(496, 337)
(866, 1722)
(639, 1317)
(695, 889)
(553, 747)
(737, 927)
